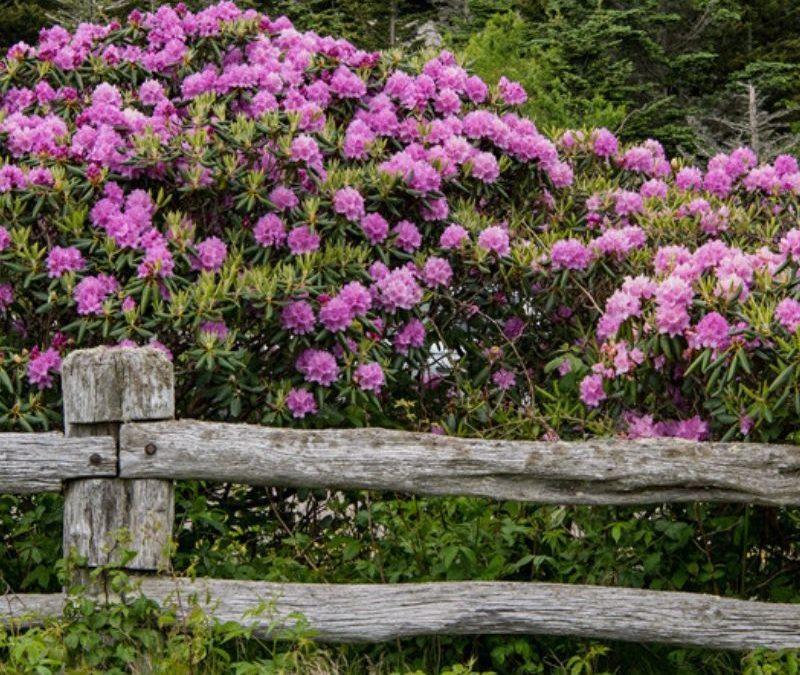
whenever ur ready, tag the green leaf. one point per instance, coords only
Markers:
(5, 380)
(782, 379)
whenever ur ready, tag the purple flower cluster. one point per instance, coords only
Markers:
(42, 366)
(61, 260)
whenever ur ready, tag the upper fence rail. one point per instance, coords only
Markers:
(41, 462)
(575, 472)
(565, 472)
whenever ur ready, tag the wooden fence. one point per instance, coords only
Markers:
(122, 450)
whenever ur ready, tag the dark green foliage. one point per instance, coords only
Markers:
(21, 20)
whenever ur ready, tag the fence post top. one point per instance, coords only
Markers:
(113, 384)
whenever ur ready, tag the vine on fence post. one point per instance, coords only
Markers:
(104, 518)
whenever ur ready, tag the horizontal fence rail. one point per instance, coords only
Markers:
(575, 472)
(377, 612)
(29, 609)
(122, 451)
(41, 462)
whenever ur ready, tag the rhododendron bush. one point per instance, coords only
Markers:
(320, 236)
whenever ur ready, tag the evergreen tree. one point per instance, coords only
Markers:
(368, 23)
(506, 46)
(21, 21)
(69, 13)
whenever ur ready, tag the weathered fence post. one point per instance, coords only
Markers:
(104, 388)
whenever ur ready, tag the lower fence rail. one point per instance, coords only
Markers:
(378, 612)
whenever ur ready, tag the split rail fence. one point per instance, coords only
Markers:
(122, 450)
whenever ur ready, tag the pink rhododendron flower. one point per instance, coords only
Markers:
(513, 328)
(369, 377)
(6, 297)
(347, 84)
(336, 315)
(412, 335)
(712, 331)
(437, 272)
(790, 244)
(305, 149)
(375, 227)
(270, 230)
(453, 236)
(211, 254)
(476, 89)
(356, 297)
(718, 183)
(160, 346)
(511, 92)
(570, 254)
(399, 290)
(302, 240)
(485, 167)
(627, 202)
(41, 367)
(217, 329)
(559, 173)
(495, 240)
(605, 144)
(787, 314)
(407, 236)
(301, 403)
(592, 393)
(283, 198)
(61, 260)
(91, 292)
(654, 188)
(689, 178)
(504, 379)
(157, 261)
(318, 366)
(298, 317)
(619, 241)
(349, 203)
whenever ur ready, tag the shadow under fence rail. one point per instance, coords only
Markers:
(122, 450)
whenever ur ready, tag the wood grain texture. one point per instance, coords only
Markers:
(103, 517)
(28, 609)
(40, 462)
(104, 387)
(378, 612)
(112, 384)
(578, 472)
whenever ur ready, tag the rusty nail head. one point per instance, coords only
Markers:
(95, 459)
(150, 449)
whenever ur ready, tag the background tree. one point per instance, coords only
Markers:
(22, 20)
(69, 13)
(641, 67)
(767, 133)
